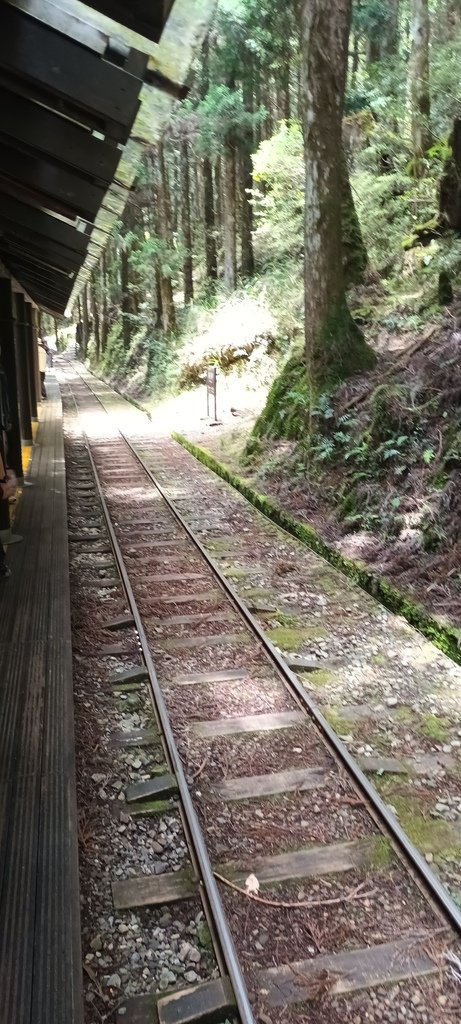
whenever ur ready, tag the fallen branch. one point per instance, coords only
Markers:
(356, 894)
(199, 771)
(93, 977)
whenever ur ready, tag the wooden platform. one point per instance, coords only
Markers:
(40, 961)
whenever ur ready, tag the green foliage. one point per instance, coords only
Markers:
(278, 170)
(287, 407)
(222, 116)
(374, 18)
(162, 359)
(278, 199)
(114, 356)
(151, 250)
(282, 283)
(445, 83)
(434, 727)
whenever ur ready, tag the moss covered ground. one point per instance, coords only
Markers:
(443, 635)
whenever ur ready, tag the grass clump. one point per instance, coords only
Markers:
(404, 715)
(379, 659)
(434, 727)
(233, 573)
(321, 677)
(342, 726)
(289, 638)
(286, 620)
(382, 855)
(429, 835)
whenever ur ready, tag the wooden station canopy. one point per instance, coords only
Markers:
(84, 88)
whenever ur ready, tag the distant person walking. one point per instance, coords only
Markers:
(42, 361)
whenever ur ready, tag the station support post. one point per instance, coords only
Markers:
(25, 416)
(7, 329)
(38, 388)
(30, 342)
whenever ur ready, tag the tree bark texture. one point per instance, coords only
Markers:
(85, 322)
(245, 171)
(246, 212)
(95, 315)
(186, 224)
(334, 347)
(420, 97)
(209, 221)
(390, 43)
(165, 234)
(158, 300)
(104, 311)
(229, 215)
(211, 261)
(125, 289)
(446, 20)
(383, 42)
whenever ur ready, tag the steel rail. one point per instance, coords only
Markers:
(381, 812)
(209, 882)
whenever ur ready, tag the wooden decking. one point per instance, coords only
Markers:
(40, 963)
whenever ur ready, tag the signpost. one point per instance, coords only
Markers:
(211, 377)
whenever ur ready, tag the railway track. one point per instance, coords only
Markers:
(319, 908)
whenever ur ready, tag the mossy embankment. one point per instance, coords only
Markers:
(444, 635)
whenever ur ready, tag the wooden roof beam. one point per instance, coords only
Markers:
(23, 121)
(44, 224)
(102, 25)
(64, 190)
(67, 72)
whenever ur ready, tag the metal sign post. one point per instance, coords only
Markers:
(211, 378)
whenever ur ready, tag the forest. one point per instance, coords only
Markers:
(299, 226)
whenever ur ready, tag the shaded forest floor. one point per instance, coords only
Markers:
(381, 478)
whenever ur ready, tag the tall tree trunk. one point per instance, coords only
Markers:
(229, 215)
(104, 318)
(158, 297)
(211, 262)
(218, 209)
(246, 184)
(257, 92)
(164, 232)
(173, 180)
(420, 96)
(246, 212)
(95, 315)
(186, 224)
(334, 347)
(390, 43)
(209, 221)
(384, 40)
(85, 322)
(78, 333)
(126, 302)
(447, 20)
(284, 95)
(355, 60)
